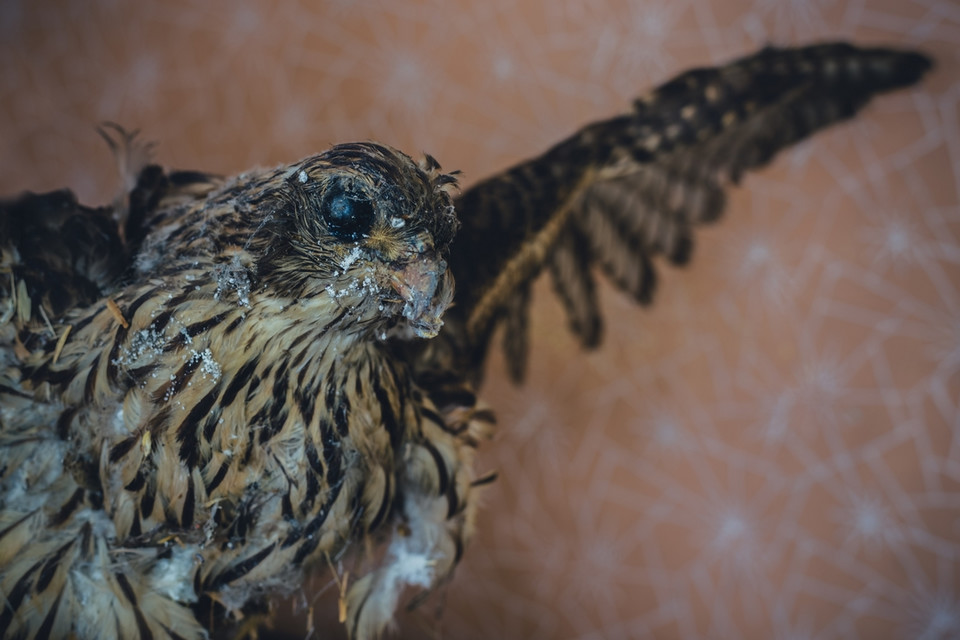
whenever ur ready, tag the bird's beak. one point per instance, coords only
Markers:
(427, 290)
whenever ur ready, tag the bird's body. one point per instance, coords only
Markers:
(223, 381)
(199, 381)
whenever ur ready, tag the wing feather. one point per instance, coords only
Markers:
(623, 190)
(516, 331)
(621, 251)
(574, 285)
(57, 255)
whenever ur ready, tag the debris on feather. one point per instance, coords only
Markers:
(415, 551)
(173, 576)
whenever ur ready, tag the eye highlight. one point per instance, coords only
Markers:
(348, 215)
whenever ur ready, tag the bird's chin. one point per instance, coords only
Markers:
(427, 327)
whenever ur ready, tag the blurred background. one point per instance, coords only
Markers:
(771, 451)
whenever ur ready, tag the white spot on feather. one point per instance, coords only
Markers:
(412, 559)
(233, 277)
(119, 425)
(173, 576)
(209, 367)
(350, 258)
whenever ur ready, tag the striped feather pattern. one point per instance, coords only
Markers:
(637, 183)
(190, 440)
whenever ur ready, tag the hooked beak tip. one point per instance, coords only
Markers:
(417, 283)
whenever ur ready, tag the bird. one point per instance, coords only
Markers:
(214, 385)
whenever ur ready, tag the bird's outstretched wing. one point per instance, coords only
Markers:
(57, 254)
(623, 190)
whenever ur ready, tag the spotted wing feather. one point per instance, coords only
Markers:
(634, 186)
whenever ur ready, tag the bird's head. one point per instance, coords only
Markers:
(366, 226)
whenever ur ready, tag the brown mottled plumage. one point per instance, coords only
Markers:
(219, 382)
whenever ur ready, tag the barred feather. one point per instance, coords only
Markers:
(226, 408)
(635, 183)
(516, 332)
(574, 285)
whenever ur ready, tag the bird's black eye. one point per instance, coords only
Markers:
(348, 215)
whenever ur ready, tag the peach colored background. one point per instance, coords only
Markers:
(773, 451)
